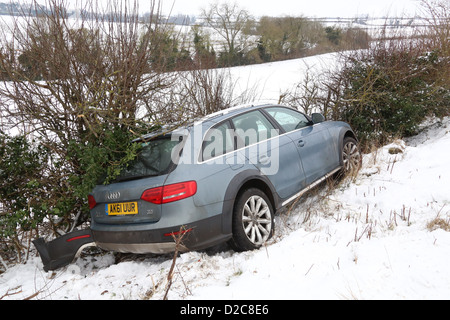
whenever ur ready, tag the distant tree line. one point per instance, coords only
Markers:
(244, 40)
(16, 8)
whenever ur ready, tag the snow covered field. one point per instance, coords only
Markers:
(381, 236)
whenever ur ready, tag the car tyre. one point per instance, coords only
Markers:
(350, 157)
(253, 220)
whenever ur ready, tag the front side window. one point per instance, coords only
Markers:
(252, 127)
(288, 119)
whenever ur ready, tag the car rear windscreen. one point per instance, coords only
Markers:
(154, 158)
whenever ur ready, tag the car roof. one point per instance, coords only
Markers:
(206, 121)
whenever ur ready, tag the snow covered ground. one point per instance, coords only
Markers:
(383, 235)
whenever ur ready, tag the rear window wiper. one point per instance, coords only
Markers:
(135, 177)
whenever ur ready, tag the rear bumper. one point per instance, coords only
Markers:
(148, 241)
(63, 250)
(195, 236)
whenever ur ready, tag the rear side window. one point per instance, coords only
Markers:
(252, 127)
(218, 141)
(288, 119)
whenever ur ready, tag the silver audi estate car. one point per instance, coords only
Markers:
(223, 178)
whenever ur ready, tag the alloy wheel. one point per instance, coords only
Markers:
(351, 156)
(256, 220)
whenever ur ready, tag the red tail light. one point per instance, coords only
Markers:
(170, 193)
(178, 191)
(91, 201)
(153, 195)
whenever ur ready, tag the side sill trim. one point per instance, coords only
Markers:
(312, 185)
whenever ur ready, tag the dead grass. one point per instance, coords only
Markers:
(439, 223)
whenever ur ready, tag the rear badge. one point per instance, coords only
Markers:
(113, 196)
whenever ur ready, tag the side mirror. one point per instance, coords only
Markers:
(317, 118)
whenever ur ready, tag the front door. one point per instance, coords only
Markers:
(312, 142)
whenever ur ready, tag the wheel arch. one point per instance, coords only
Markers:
(240, 183)
(351, 134)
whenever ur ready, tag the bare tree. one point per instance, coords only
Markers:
(228, 21)
(438, 17)
(305, 95)
(95, 69)
(438, 33)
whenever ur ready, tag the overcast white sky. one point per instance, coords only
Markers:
(310, 8)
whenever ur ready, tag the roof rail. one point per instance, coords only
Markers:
(227, 110)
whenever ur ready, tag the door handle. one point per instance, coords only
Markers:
(301, 143)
